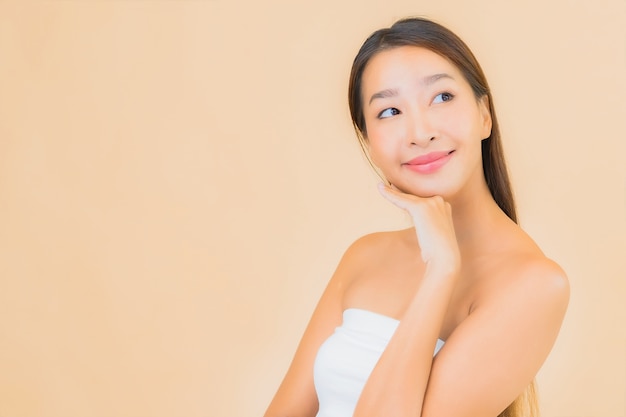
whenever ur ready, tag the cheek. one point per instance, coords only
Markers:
(381, 147)
(372, 144)
(463, 126)
(374, 153)
(384, 138)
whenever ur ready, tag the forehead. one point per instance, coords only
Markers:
(393, 67)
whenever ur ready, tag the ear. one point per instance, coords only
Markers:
(485, 114)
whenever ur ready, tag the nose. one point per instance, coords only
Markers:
(420, 130)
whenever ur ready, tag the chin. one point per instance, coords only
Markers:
(426, 192)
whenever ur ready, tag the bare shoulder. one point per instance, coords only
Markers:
(379, 240)
(522, 272)
(381, 250)
(369, 245)
(543, 280)
(374, 246)
(532, 268)
(542, 273)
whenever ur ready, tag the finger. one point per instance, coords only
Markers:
(397, 197)
(393, 190)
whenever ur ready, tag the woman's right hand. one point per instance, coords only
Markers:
(432, 218)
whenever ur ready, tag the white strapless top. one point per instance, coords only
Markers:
(346, 359)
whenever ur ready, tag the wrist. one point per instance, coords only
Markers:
(444, 269)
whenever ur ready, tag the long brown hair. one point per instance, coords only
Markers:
(427, 34)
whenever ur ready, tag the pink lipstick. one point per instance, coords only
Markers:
(429, 163)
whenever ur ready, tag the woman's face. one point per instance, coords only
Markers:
(424, 124)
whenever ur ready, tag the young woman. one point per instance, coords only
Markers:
(454, 316)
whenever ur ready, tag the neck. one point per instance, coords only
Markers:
(476, 215)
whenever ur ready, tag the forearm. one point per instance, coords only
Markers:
(397, 385)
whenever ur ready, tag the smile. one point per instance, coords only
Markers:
(429, 163)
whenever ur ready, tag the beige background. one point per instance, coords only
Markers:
(178, 180)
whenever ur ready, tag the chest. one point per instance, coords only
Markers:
(389, 285)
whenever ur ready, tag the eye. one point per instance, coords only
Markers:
(442, 97)
(392, 111)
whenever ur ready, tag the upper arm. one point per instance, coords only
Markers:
(496, 351)
(296, 396)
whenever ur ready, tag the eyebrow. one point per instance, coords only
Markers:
(392, 92)
(384, 94)
(431, 79)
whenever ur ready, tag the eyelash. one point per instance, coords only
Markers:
(380, 115)
(449, 96)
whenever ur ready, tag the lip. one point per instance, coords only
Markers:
(429, 163)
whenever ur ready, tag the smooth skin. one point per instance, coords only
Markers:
(464, 273)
